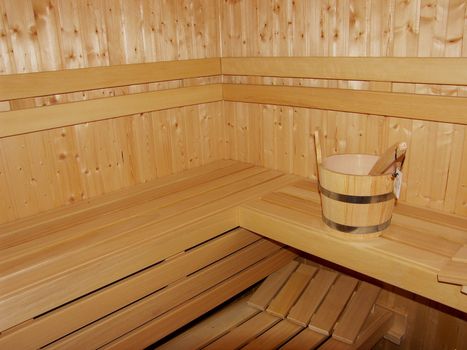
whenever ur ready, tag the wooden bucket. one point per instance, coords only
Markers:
(355, 204)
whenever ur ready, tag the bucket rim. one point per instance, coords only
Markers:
(347, 174)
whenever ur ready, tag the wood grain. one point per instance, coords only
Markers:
(44, 170)
(161, 326)
(290, 292)
(244, 333)
(46, 83)
(42, 118)
(271, 286)
(46, 329)
(274, 337)
(356, 312)
(393, 69)
(334, 303)
(312, 297)
(432, 108)
(335, 32)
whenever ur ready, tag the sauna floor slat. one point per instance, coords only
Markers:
(291, 291)
(312, 297)
(355, 313)
(324, 319)
(244, 333)
(268, 289)
(266, 331)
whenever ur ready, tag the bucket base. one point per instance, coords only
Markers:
(356, 233)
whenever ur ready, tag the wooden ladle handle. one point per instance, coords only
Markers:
(390, 156)
(319, 154)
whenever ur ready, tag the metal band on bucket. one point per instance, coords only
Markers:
(356, 199)
(356, 229)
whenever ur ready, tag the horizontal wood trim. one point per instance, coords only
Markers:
(424, 107)
(16, 86)
(48, 117)
(430, 70)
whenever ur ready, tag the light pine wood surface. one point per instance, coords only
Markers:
(49, 169)
(280, 137)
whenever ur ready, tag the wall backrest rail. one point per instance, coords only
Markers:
(425, 107)
(427, 70)
(48, 117)
(17, 86)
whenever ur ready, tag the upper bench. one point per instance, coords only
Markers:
(418, 245)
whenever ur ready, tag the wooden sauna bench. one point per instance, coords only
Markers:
(133, 266)
(301, 306)
(420, 248)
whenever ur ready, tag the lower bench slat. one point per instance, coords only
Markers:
(43, 330)
(244, 333)
(212, 328)
(306, 339)
(195, 307)
(38, 299)
(129, 318)
(275, 336)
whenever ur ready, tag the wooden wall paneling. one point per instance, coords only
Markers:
(45, 15)
(167, 30)
(89, 34)
(6, 64)
(177, 134)
(455, 26)
(192, 119)
(240, 129)
(213, 140)
(427, 326)
(184, 26)
(6, 204)
(93, 34)
(71, 40)
(267, 116)
(141, 140)
(302, 142)
(206, 33)
(461, 199)
(454, 176)
(405, 24)
(113, 15)
(18, 18)
(163, 143)
(16, 163)
(410, 28)
(282, 138)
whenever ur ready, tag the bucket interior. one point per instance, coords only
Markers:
(353, 164)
